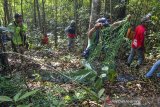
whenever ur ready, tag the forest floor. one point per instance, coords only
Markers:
(46, 61)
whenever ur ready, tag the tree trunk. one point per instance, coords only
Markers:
(10, 10)
(121, 11)
(110, 10)
(39, 16)
(35, 14)
(55, 26)
(105, 7)
(95, 12)
(44, 20)
(6, 12)
(22, 7)
(90, 6)
(0, 22)
(75, 13)
(14, 6)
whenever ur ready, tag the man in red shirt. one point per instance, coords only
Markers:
(137, 44)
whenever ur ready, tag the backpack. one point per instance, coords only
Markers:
(130, 33)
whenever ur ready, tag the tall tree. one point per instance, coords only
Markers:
(10, 10)
(44, 17)
(22, 7)
(75, 12)
(95, 12)
(121, 10)
(105, 7)
(14, 6)
(90, 6)
(35, 14)
(110, 8)
(39, 16)
(6, 12)
(55, 25)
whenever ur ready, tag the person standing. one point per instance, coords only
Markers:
(93, 36)
(95, 33)
(18, 31)
(18, 35)
(137, 45)
(71, 34)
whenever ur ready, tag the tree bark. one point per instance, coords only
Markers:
(44, 17)
(105, 7)
(95, 12)
(35, 14)
(39, 16)
(10, 10)
(90, 6)
(55, 26)
(121, 11)
(14, 6)
(75, 12)
(22, 7)
(6, 12)
(110, 6)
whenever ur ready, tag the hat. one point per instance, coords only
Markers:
(72, 23)
(17, 15)
(103, 21)
(145, 20)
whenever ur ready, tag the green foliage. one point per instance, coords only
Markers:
(18, 98)
(80, 94)
(27, 94)
(112, 74)
(9, 86)
(101, 92)
(112, 40)
(5, 98)
(90, 82)
(136, 8)
(93, 82)
(84, 75)
(94, 79)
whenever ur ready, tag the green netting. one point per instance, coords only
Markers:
(111, 41)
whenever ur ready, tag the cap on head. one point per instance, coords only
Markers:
(145, 20)
(72, 23)
(17, 15)
(103, 21)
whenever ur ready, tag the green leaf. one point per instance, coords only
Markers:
(101, 92)
(27, 94)
(29, 105)
(5, 98)
(81, 72)
(112, 75)
(83, 76)
(92, 94)
(15, 98)
(98, 83)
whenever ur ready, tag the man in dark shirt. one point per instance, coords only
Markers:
(71, 34)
